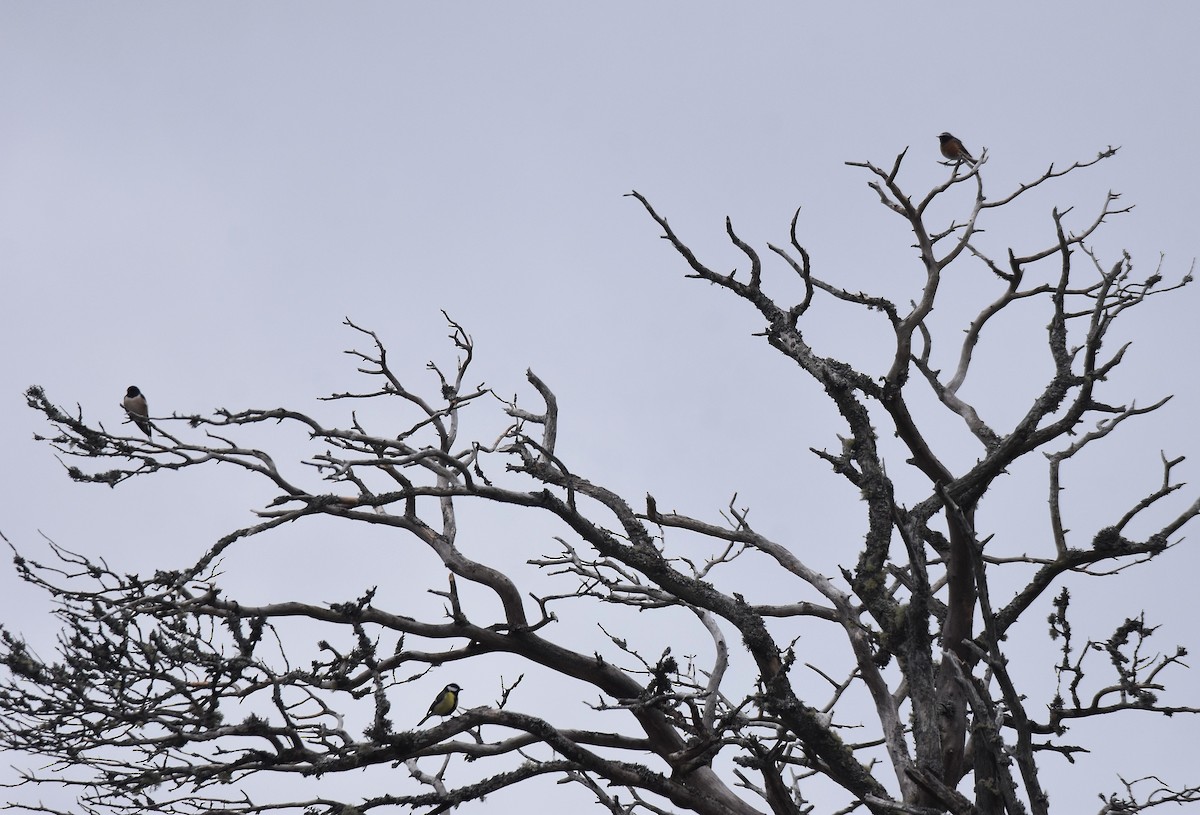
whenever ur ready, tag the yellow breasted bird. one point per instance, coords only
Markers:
(444, 704)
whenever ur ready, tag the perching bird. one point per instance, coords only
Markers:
(135, 405)
(953, 149)
(444, 704)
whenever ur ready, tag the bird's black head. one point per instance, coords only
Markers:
(133, 392)
(452, 688)
(944, 137)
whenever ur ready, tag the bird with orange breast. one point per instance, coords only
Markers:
(953, 149)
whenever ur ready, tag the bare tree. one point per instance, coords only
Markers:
(139, 710)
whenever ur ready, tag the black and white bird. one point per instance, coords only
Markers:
(953, 149)
(444, 704)
(135, 405)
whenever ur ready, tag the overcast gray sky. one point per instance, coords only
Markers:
(193, 196)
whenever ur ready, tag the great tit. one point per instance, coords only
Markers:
(444, 704)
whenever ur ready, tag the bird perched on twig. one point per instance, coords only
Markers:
(953, 149)
(444, 704)
(135, 405)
